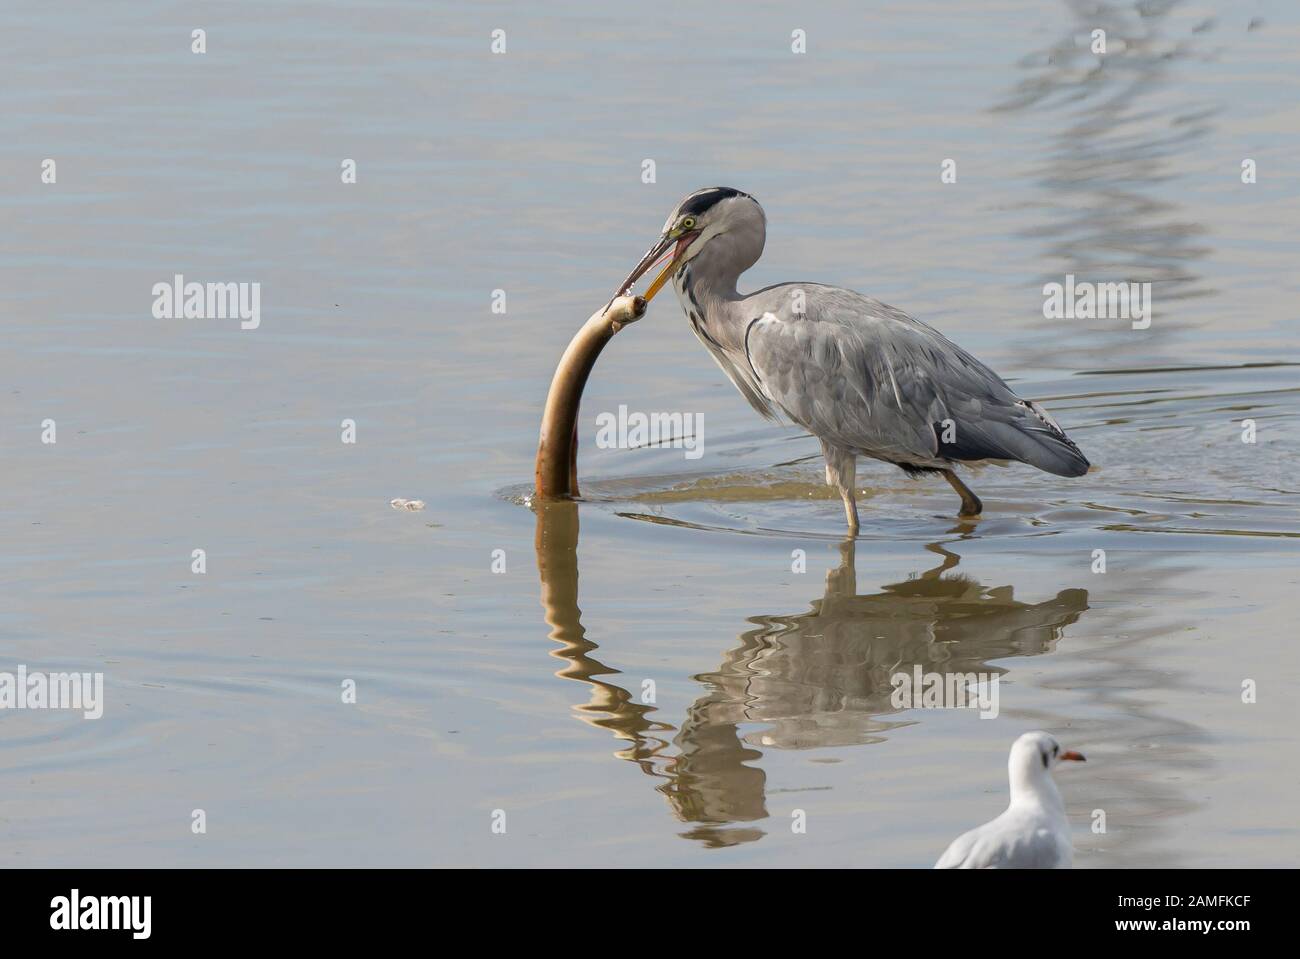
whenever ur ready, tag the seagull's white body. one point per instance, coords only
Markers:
(1034, 832)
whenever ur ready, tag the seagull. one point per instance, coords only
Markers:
(1033, 833)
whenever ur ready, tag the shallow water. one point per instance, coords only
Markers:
(524, 690)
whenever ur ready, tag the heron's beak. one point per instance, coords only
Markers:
(662, 247)
(1070, 754)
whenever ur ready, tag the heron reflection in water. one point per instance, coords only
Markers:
(815, 679)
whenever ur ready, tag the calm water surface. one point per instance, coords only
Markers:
(524, 690)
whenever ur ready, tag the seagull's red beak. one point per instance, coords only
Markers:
(1071, 755)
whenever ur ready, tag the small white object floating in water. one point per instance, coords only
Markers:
(1033, 833)
(407, 504)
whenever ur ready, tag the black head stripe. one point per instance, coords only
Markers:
(705, 199)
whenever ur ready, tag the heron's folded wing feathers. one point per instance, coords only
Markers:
(868, 377)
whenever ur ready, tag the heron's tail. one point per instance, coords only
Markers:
(1027, 434)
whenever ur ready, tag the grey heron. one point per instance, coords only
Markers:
(864, 378)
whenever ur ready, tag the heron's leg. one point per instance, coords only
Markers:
(850, 510)
(970, 503)
(841, 472)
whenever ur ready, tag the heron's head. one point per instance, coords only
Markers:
(697, 221)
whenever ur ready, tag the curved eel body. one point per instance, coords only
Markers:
(557, 450)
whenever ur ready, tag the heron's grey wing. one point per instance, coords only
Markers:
(871, 378)
(860, 375)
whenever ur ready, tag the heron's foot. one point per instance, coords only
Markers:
(970, 503)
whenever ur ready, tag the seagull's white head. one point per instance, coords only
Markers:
(1030, 765)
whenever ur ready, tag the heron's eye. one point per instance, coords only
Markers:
(688, 223)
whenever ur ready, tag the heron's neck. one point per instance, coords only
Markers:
(706, 288)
